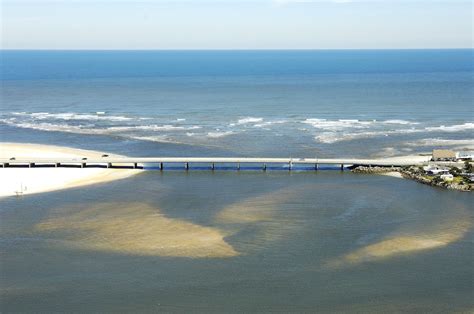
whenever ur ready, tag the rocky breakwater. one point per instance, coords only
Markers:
(460, 183)
(376, 169)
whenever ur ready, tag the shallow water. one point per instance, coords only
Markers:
(272, 242)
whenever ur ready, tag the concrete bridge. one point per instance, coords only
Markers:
(187, 162)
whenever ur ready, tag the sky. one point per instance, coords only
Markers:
(236, 24)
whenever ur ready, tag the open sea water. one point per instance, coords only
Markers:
(224, 241)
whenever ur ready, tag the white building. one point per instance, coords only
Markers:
(465, 155)
(447, 177)
(434, 170)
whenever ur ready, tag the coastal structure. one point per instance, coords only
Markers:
(465, 155)
(186, 162)
(443, 155)
(435, 170)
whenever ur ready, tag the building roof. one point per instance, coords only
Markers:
(443, 153)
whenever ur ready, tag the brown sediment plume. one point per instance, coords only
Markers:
(137, 229)
(401, 243)
(265, 218)
(255, 209)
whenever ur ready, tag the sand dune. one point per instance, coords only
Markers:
(135, 228)
(39, 180)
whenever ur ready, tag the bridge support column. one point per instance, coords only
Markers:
(213, 166)
(109, 165)
(264, 167)
(135, 165)
(31, 165)
(161, 166)
(186, 166)
(238, 166)
(57, 164)
(342, 167)
(316, 167)
(290, 165)
(83, 165)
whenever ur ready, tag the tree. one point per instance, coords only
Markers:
(468, 166)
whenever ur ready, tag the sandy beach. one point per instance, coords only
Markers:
(25, 181)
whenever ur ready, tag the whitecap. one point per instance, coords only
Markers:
(402, 122)
(337, 125)
(452, 128)
(219, 134)
(70, 116)
(249, 120)
(268, 123)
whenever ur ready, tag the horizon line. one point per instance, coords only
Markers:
(228, 49)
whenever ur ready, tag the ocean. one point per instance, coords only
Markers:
(304, 241)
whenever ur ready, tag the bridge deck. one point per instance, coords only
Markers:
(134, 161)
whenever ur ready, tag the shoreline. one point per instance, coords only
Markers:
(412, 173)
(25, 181)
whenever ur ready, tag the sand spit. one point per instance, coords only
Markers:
(407, 242)
(38, 180)
(135, 228)
(393, 174)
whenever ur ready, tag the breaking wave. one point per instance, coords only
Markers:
(452, 128)
(166, 127)
(249, 120)
(327, 131)
(71, 116)
(218, 134)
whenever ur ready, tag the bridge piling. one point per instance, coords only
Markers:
(137, 162)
